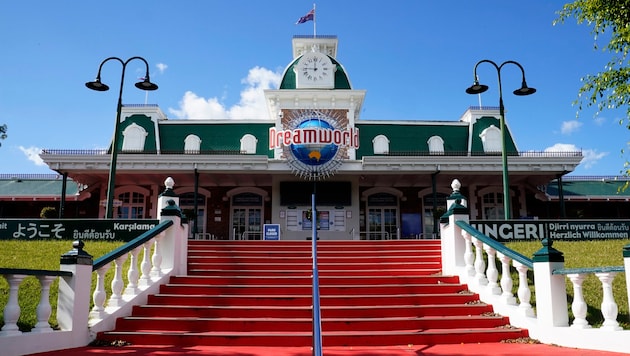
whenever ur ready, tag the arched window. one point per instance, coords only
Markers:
(192, 144)
(491, 139)
(248, 144)
(380, 145)
(132, 206)
(134, 137)
(436, 145)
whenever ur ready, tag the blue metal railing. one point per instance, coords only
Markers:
(317, 314)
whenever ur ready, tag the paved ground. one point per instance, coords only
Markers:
(486, 349)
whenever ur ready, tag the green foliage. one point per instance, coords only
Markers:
(610, 88)
(41, 255)
(584, 254)
(3, 132)
(48, 212)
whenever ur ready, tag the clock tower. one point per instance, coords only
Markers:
(315, 96)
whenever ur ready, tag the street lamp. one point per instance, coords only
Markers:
(99, 86)
(477, 88)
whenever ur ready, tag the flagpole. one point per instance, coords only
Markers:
(314, 22)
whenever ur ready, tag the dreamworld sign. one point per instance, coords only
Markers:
(554, 229)
(314, 143)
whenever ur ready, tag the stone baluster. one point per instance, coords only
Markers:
(115, 300)
(469, 256)
(578, 306)
(156, 259)
(524, 294)
(132, 273)
(12, 309)
(492, 273)
(609, 307)
(44, 309)
(506, 280)
(480, 264)
(145, 266)
(99, 296)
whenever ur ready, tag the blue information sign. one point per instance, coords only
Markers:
(271, 232)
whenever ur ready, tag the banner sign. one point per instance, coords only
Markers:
(271, 231)
(554, 229)
(74, 229)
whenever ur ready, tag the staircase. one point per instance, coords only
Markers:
(258, 293)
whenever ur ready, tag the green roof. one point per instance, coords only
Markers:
(591, 187)
(214, 136)
(410, 138)
(36, 185)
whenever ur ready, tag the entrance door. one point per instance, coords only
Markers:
(247, 216)
(247, 223)
(382, 223)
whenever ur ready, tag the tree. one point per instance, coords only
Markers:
(610, 88)
(3, 132)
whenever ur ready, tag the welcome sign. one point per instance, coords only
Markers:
(74, 229)
(554, 229)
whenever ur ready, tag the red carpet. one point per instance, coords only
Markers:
(485, 349)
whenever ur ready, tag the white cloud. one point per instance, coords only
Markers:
(590, 157)
(599, 121)
(161, 67)
(568, 127)
(32, 153)
(251, 105)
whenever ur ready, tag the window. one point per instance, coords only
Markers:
(436, 145)
(131, 206)
(248, 144)
(492, 205)
(380, 145)
(491, 139)
(192, 144)
(134, 137)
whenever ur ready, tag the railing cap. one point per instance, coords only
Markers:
(76, 256)
(548, 253)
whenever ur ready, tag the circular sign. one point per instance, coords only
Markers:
(317, 153)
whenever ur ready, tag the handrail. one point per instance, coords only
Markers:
(35, 272)
(603, 269)
(317, 314)
(495, 244)
(131, 245)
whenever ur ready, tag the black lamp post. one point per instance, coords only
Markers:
(477, 88)
(99, 86)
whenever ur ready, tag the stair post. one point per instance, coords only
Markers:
(551, 293)
(453, 244)
(174, 244)
(73, 301)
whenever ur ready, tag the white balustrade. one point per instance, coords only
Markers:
(608, 307)
(507, 297)
(132, 273)
(145, 266)
(156, 259)
(523, 292)
(578, 307)
(492, 274)
(44, 309)
(480, 264)
(12, 309)
(115, 300)
(99, 296)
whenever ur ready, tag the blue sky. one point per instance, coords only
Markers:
(212, 59)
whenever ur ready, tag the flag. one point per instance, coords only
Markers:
(308, 17)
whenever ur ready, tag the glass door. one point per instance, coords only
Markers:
(382, 223)
(247, 216)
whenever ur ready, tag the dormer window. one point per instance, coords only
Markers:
(134, 137)
(491, 139)
(380, 145)
(248, 144)
(192, 144)
(436, 145)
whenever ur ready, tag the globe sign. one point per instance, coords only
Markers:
(314, 154)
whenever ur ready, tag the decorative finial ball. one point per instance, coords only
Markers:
(456, 185)
(169, 183)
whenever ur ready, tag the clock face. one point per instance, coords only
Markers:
(315, 68)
